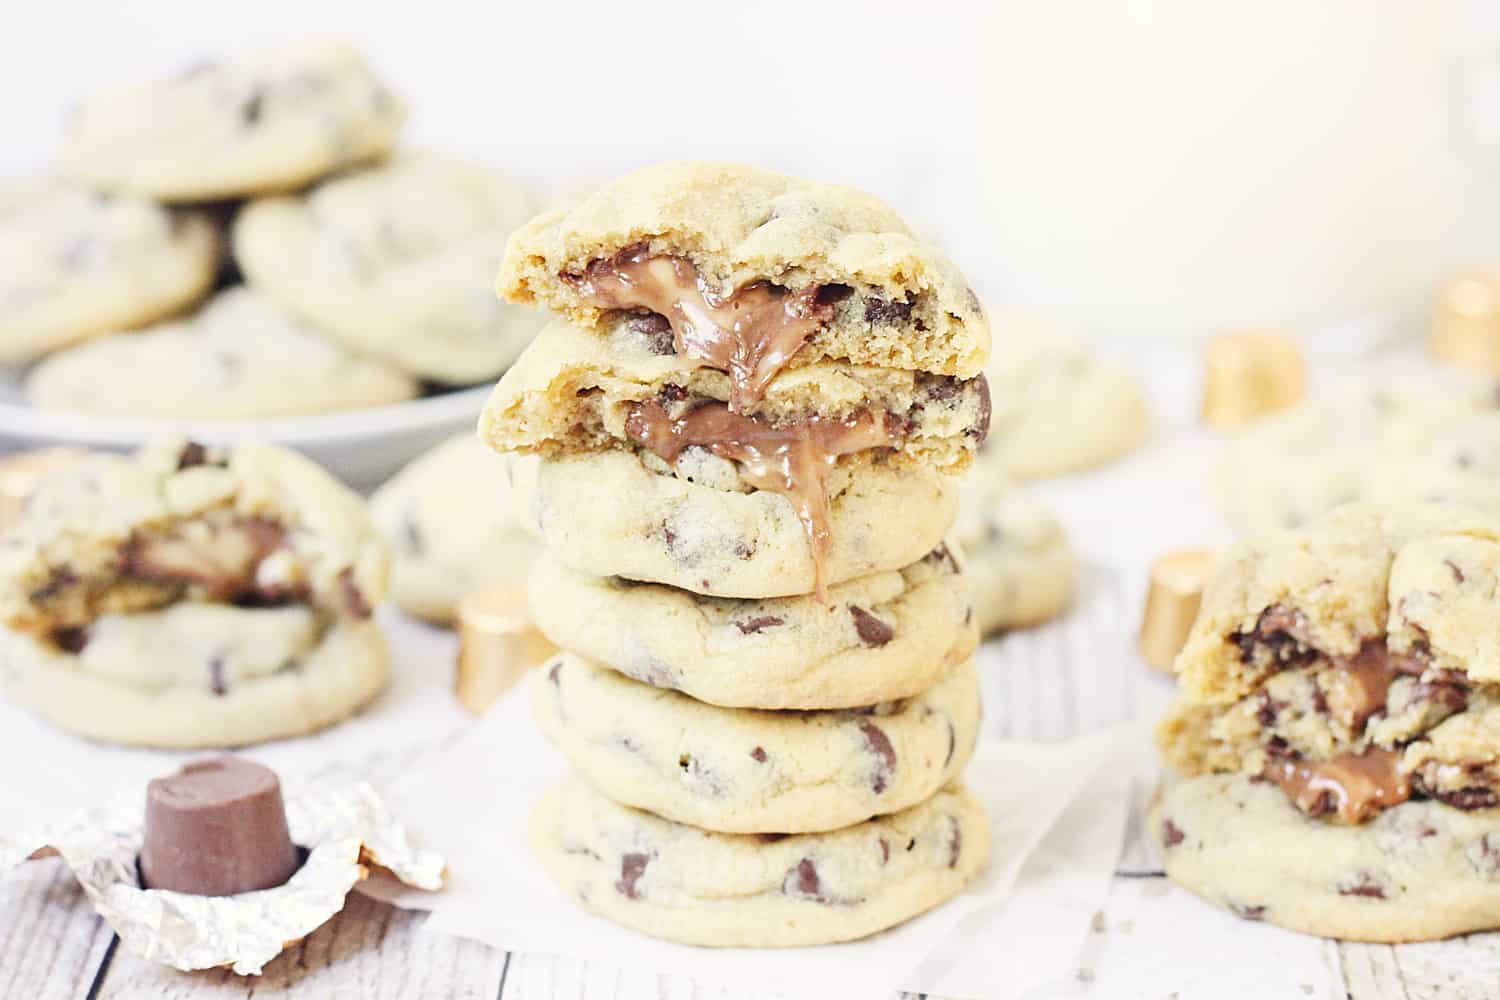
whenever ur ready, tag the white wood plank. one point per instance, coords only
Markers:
(1466, 968)
(51, 941)
(370, 950)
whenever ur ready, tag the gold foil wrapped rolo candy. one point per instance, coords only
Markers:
(1249, 375)
(23, 471)
(1172, 602)
(1466, 322)
(498, 644)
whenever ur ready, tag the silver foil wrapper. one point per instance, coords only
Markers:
(344, 829)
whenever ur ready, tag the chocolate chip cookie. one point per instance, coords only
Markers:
(1350, 666)
(758, 891)
(1418, 871)
(255, 122)
(249, 574)
(443, 543)
(397, 260)
(1016, 559)
(754, 272)
(75, 263)
(880, 637)
(739, 771)
(703, 525)
(1389, 443)
(239, 357)
(1058, 407)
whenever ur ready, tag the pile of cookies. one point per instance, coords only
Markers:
(257, 210)
(188, 596)
(1336, 737)
(748, 419)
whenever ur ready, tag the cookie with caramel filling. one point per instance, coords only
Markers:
(1354, 664)
(190, 596)
(754, 271)
(575, 391)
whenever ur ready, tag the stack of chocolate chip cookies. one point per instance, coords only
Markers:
(748, 418)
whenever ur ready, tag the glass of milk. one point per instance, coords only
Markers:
(1172, 168)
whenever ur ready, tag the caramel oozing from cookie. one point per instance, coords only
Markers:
(751, 333)
(792, 459)
(1354, 786)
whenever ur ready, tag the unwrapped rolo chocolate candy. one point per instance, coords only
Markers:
(1249, 375)
(1175, 593)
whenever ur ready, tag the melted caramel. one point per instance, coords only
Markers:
(1364, 680)
(750, 334)
(791, 459)
(1355, 786)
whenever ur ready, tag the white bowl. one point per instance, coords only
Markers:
(361, 447)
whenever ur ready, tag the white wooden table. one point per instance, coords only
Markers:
(53, 945)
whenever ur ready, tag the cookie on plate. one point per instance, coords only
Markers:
(257, 122)
(741, 771)
(753, 272)
(75, 263)
(758, 891)
(188, 597)
(1016, 559)
(878, 638)
(239, 357)
(1058, 407)
(397, 260)
(444, 544)
(1351, 667)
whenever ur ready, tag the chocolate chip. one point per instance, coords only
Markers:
(216, 682)
(771, 838)
(1246, 911)
(354, 601)
(251, 108)
(952, 743)
(1364, 884)
(555, 674)
(752, 626)
(955, 841)
(879, 744)
(71, 640)
(758, 755)
(58, 580)
(1468, 799)
(883, 311)
(981, 429)
(411, 533)
(192, 454)
(632, 867)
(885, 850)
(832, 294)
(1171, 834)
(1267, 711)
(672, 393)
(944, 555)
(872, 631)
(1458, 574)
(803, 881)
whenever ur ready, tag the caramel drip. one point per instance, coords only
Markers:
(1354, 785)
(792, 459)
(751, 334)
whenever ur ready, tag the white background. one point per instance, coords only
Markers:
(1148, 167)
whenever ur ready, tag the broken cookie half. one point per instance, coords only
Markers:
(188, 596)
(1341, 685)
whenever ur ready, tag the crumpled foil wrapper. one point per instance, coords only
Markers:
(343, 829)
